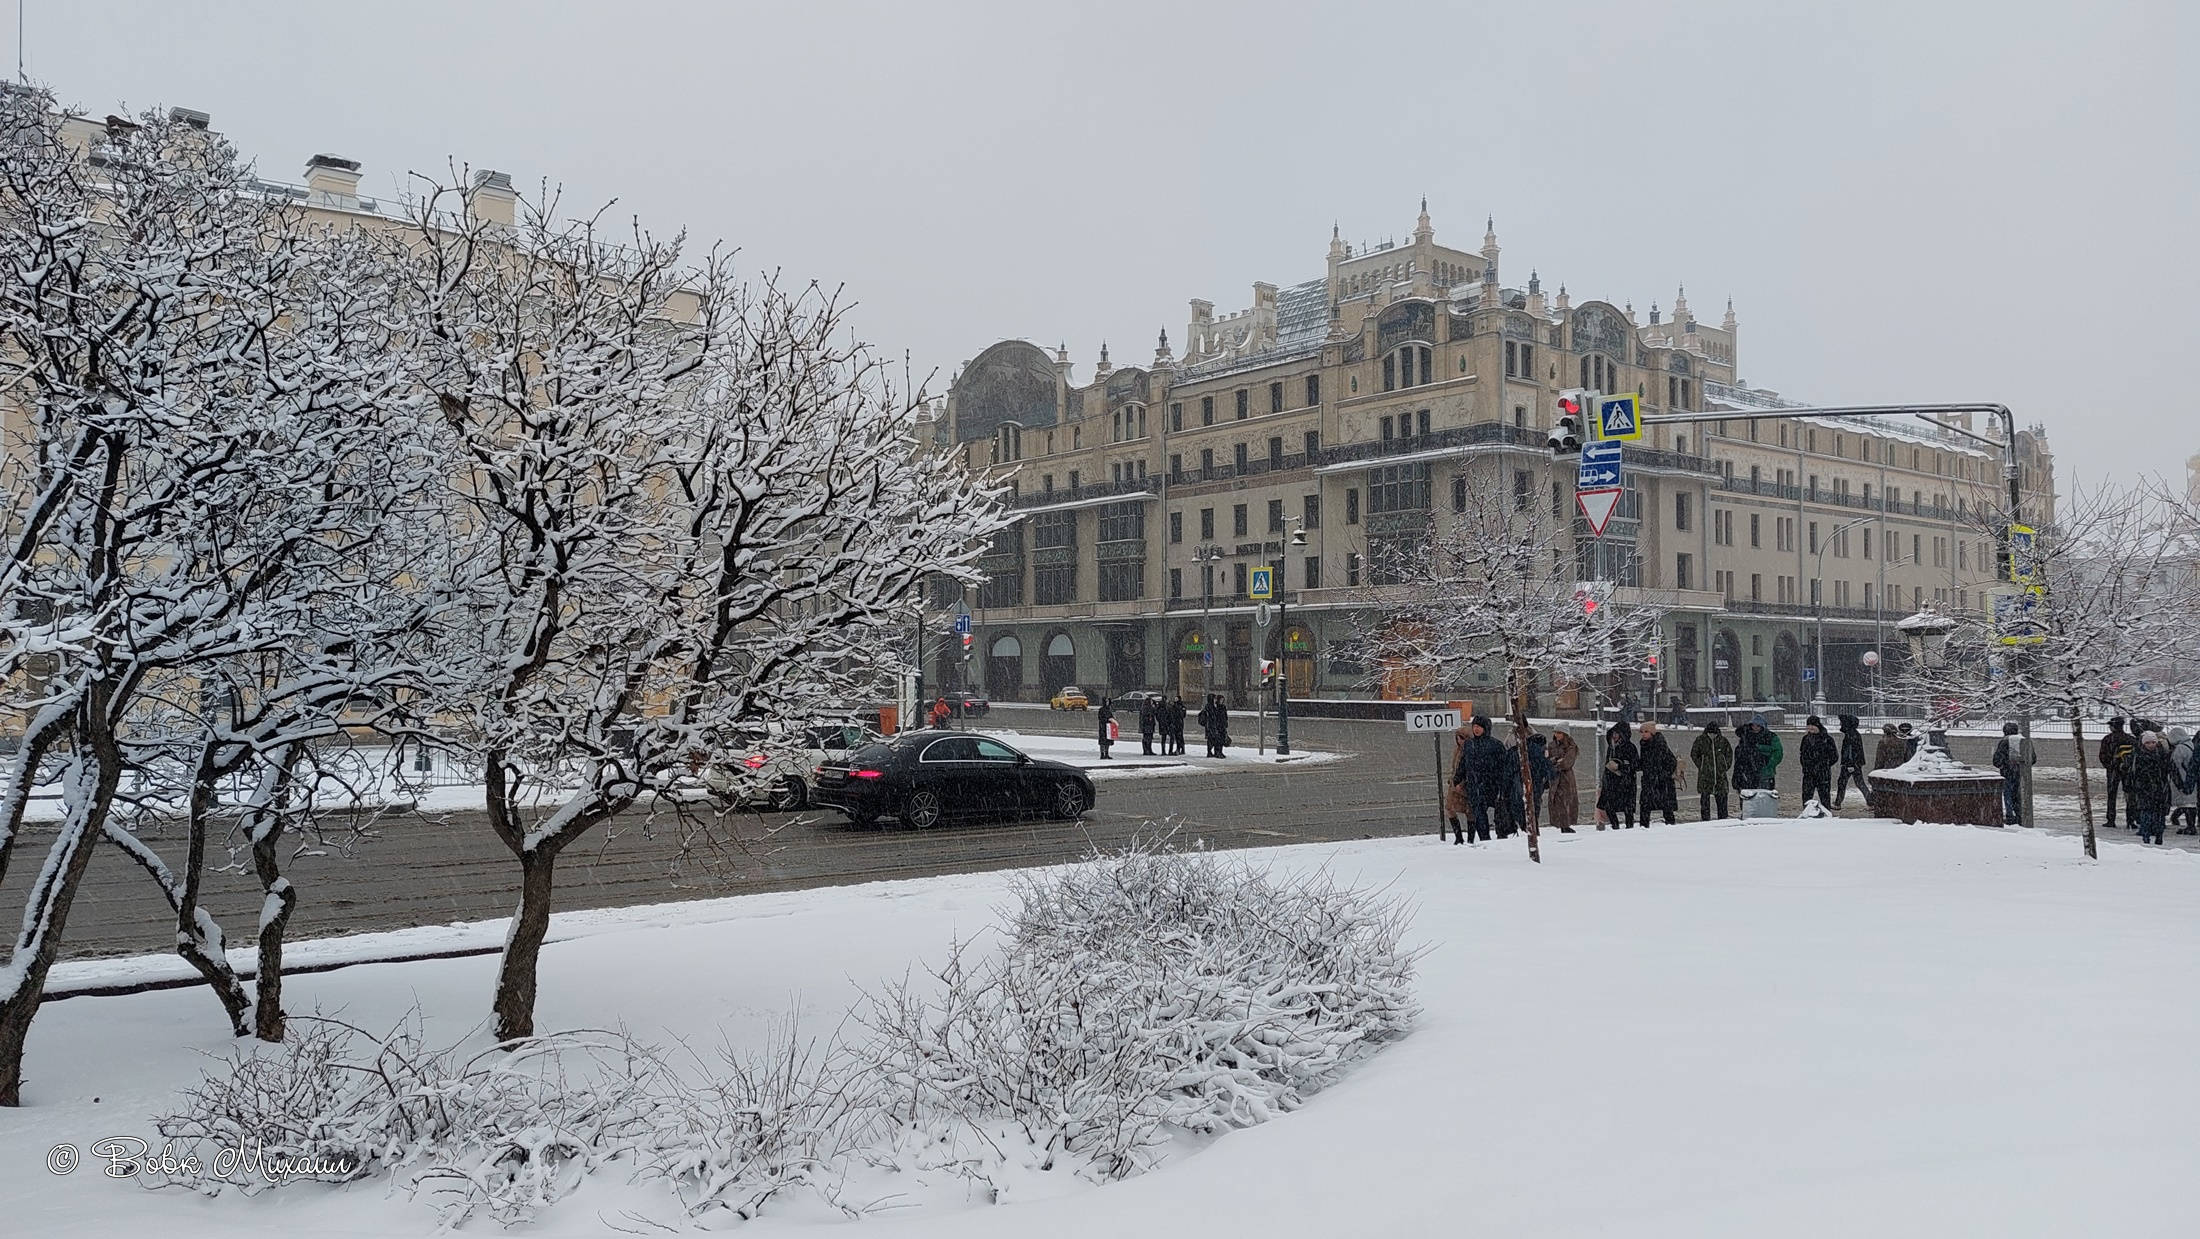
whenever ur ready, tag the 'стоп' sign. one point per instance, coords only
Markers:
(1432, 719)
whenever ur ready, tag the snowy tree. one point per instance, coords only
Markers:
(681, 509)
(184, 446)
(1491, 587)
(2111, 589)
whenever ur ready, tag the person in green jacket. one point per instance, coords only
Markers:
(1714, 758)
(1768, 743)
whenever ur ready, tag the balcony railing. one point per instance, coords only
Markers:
(1095, 490)
(1786, 490)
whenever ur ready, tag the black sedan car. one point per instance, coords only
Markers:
(925, 776)
(972, 704)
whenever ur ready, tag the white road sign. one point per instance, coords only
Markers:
(1433, 719)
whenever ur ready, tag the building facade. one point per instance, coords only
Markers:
(1357, 406)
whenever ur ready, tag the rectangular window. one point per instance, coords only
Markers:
(1754, 539)
(1206, 463)
(1237, 454)
(1176, 415)
(1398, 488)
(1275, 451)
(1388, 432)
(1683, 566)
(1521, 482)
(1237, 580)
(1352, 507)
(1176, 526)
(1459, 493)
(1122, 580)
(1756, 587)
(1206, 410)
(1313, 445)
(1813, 536)
(1527, 362)
(1176, 582)
(1428, 365)
(1867, 542)
(1206, 524)
(1520, 416)
(1176, 466)
(1275, 397)
(1275, 516)
(1311, 509)
(1237, 520)
(1512, 359)
(1390, 373)
(1352, 568)
(1680, 510)
(1421, 423)
(1242, 403)
(1313, 576)
(1313, 389)
(1073, 481)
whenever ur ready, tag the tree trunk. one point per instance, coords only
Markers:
(1527, 773)
(515, 996)
(2085, 790)
(46, 911)
(268, 1022)
(199, 949)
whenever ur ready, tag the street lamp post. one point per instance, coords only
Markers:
(1279, 567)
(1819, 603)
(1207, 555)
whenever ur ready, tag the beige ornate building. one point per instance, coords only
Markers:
(1350, 405)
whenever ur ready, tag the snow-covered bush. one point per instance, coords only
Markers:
(1133, 999)
(1145, 994)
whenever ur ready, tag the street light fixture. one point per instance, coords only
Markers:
(1283, 627)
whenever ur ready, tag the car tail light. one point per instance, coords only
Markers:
(868, 774)
(753, 760)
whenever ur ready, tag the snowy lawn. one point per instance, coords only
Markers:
(1833, 1028)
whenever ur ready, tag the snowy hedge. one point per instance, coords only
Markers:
(1134, 1000)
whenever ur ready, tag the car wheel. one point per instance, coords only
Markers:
(1069, 801)
(920, 809)
(791, 793)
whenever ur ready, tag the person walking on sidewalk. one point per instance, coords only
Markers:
(1852, 763)
(2011, 756)
(1480, 775)
(2184, 799)
(1148, 707)
(2116, 749)
(1714, 758)
(1173, 743)
(2146, 784)
(1817, 755)
(1659, 766)
(1106, 717)
(1565, 795)
(1616, 787)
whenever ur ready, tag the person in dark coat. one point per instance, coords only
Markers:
(1749, 757)
(1676, 714)
(1910, 740)
(2116, 748)
(1106, 720)
(1714, 758)
(1852, 762)
(1659, 767)
(1148, 709)
(1817, 756)
(1174, 725)
(1892, 751)
(2146, 780)
(1480, 774)
(2011, 756)
(1616, 789)
(1545, 775)
(1214, 721)
(1565, 803)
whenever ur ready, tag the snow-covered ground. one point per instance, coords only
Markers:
(1828, 1028)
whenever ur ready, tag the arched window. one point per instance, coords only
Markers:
(1409, 365)
(1008, 444)
(1061, 646)
(1007, 647)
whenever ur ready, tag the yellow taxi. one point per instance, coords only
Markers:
(1070, 698)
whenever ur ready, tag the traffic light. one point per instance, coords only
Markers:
(1573, 411)
(1587, 600)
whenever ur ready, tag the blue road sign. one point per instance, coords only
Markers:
(1599, 466)
(1207, 660)
(1263, 584)
(1809, 674)
(1619, 417)
(962, 625)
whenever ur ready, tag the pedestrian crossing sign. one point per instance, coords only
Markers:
(1263, 584)
(1619, 417)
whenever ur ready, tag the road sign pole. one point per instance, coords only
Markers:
(1437, 739)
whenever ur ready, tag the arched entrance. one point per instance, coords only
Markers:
(1726, 664)
(1295, 646)
(1059, 665)
(1192, 670)
(1004, 667)
(1787, 668)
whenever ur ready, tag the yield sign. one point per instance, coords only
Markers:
(1597, 505)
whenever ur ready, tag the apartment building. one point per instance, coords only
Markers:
(1358, 406)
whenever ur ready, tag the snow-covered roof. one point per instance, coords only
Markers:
(1302, 314)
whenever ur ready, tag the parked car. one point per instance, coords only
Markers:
(1070, 697)
(925, 777)
(778, 776)
(1127, 703)
(972, 703)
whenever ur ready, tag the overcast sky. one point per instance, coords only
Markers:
(1906, 201)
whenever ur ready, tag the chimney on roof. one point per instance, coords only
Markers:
(190, 116)
(332, 180)
(491, 198)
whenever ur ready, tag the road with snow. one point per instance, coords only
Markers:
(418, 871)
